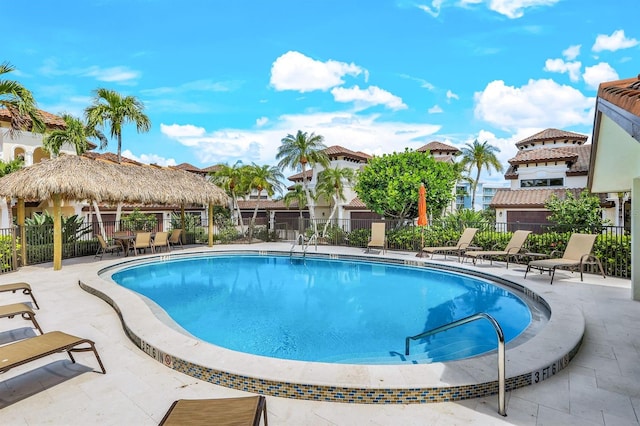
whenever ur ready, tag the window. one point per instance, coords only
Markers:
(531, 183)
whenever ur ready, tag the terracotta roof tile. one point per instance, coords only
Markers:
(49, 119)
(543, 154)
(189, 168)
(212, 169)
(528, 197)
(623, 93)
(356, 203)
(337, 150)
(298, 176)
(438, 146)
(551, 135)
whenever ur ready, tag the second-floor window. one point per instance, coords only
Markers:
(530, 183)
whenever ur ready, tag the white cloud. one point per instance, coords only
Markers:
(176, 131)
(451, 95)
(597, 74)
(365, 98)
(435, 110)
(262, 121)
(540, 103)
(195, 86)
(571, 52)
(558, 65)
(295, 71)
(149, 158)
(122, 75)
(515, 8)
(433, 9)
(423, 83)
(615, 41)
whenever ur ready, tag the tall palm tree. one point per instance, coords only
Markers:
(112, 109)
(76, 133)
(296, 152)
(479, 155)
(263, 178)
(20, 103)
(332, 183)
(296, 194)
(230, 178)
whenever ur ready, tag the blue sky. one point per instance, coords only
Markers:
(226, 81)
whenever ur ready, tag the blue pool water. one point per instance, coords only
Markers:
(327, 310)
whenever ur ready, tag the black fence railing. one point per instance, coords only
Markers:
(613, 246)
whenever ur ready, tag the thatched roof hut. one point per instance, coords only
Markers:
(71, 177)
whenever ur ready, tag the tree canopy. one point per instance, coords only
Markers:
(479, 155)
(576, 214)
(20, 103)
(389, 184)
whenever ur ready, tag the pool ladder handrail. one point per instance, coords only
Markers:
(305, 243)
(501, 349)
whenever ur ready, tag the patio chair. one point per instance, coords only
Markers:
(107, 248)
(33, 348)
(464, 243)
(26, 289)
(514, 246)
(576, 255)
(176, 238)
(10, 311)
(378, 239)
(142, 242)
(224, 411)
(161, 240)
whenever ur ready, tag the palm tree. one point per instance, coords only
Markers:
(479, 155)
(76, 133)
(111, 108)
(296, 194)
(332, 183)
(296, 152)
(20, 103)
(230, 178)
(262, 178)
(10, 166)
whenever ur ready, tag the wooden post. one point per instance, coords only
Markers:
(210, 224)
(23, 231)
(57, 232)
(183, 234)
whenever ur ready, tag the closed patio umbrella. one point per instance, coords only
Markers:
(422, 215)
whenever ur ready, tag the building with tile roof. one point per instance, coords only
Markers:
(440, 151)
(549, 162)
(615, 157)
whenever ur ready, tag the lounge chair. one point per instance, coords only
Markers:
(224, 411)
(576, 255)
(33, 348)
(175, 238)
(142, 242)
(107, 248)
(26, 289)
(378, 239)
(161, 240)
(514, 246)
(22, 309)
(458, 248)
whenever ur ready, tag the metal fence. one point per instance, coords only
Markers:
(613, 247)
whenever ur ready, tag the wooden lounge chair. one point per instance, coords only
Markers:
(22, 309)
(514, 246)
(27, 350)
(220, 412)
(176, 238)
(142, 242)
(26, 289)
(458, 248)
(161, 240)
(107, 248)
(378, 239)
(576, 255)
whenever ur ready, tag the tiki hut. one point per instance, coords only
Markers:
(77, 178)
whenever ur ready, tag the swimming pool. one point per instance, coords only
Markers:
(327, 310)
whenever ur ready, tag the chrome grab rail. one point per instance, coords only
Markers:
(305, 243)
(501, 349)
(314, 239)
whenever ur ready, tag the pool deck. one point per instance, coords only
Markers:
(601, 385)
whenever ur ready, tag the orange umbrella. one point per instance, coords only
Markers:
(422, 206)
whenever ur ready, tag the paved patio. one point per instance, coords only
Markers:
(601, 386)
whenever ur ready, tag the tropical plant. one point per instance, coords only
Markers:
(331, 184)
(389, 184)
(576, 214)
(138, 221)
(20, 103)
(479, 155)
(111, 109)
(298, 195)
(231, 179)
(262, 178)
(10, 166)
(296, 152)
(39, 228)
(76, 134)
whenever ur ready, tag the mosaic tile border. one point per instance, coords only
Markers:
(327, 393)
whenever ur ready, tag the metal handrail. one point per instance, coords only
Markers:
(501, 349)
(313, 238)
(299, 240)
(305, 243)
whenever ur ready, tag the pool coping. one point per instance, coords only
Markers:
(533, 361)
